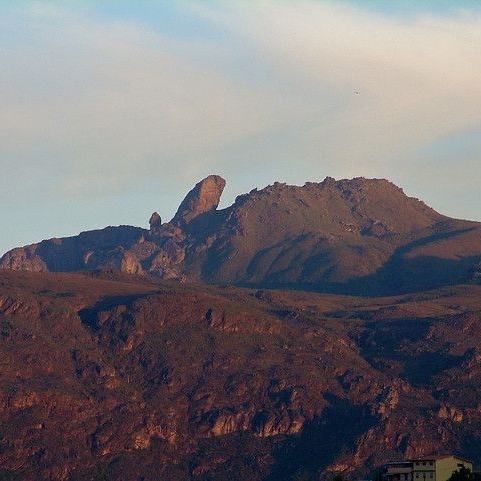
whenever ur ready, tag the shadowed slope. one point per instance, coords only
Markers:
(360, 236)
(123, 378)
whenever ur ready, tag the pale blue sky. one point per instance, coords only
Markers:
(111, 110)
(413, 7)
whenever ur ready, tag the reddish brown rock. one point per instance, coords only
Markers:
(24, 258)
(111, 376)
(202, 199)
(353, 236)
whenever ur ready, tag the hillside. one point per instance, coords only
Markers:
(359, 236)
(111, 376)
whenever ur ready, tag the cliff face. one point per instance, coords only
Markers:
(124, 378)
(107, 248)
(202, 199)
(356, 236)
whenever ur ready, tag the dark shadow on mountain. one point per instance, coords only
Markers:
(381, 338)
(90, 316)
(204, 224)
(402, 275)
(321, 441)
(399, 275)
(402, 341)
(420, 369)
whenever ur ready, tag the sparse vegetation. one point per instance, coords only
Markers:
(123, 371)
(462, 474)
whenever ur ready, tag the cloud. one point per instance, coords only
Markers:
(378, 90)
(116, 101)
(95, 106)
(417, 80)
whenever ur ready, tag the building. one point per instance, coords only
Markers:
(400, 471)
(430, 468)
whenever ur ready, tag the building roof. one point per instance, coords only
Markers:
(427, 458)
(439, 457)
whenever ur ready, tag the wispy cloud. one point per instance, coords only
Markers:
(398, 85)
(94, 98)
(95, 105)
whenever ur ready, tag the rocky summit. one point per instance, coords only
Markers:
(199, 349)
(202, 199)
(359, 236)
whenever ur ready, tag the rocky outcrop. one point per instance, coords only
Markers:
(355, 236)
(109, 376)
(25, 259)
(108, 248)
(202, 199)
(155, 222)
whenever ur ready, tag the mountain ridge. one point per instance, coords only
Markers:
(348, 236)
(126, 364)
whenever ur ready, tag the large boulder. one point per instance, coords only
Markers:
(202, 199)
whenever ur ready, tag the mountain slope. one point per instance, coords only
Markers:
(360, 236)
(120, 377)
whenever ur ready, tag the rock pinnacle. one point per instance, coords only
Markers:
(203, 198)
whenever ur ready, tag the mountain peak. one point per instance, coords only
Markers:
(348, 235)
(203, 198)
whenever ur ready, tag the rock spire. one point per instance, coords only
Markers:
(203, 198)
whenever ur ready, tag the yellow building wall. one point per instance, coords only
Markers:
(446, 466)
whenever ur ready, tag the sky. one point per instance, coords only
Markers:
(112, 110)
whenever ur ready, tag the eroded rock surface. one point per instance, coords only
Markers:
(357, 236)
(118, 377)
(202, 199)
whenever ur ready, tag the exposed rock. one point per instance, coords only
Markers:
(267, 424)
(202, 199)
(450, 412)
(226, 423)
(24, 258)
(357, 236)
(130, 264)
(155, 222)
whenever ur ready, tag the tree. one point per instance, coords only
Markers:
(462, 474)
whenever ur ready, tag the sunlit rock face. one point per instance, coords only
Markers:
(202, 199)
(357, 236)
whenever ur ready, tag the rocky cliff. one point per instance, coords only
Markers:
(201, 200)
(120, 377)
(359, 236)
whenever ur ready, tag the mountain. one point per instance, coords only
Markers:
(175, 352)
(359, 236)
(108, 376)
